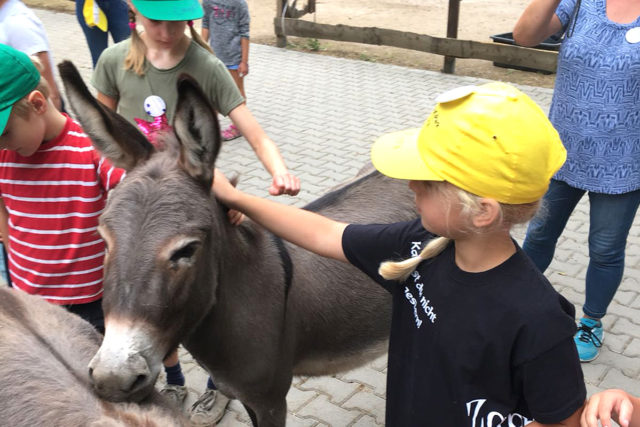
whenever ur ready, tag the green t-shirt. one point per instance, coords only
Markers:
(133, 91)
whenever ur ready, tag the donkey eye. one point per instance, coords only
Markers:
(185, 253)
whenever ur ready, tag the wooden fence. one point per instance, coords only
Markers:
(290, 25)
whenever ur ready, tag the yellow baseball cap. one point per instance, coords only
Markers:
(490, 140)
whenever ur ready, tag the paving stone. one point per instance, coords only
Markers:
(594, 371)
(625, 297)
(617, 379)
(293, 421)
(624, 326)
(336, 389)
(298, 397)
(616, 343)
(325, 411)
(370, 403)
(368, 376)
(366, 421)
(633, 349)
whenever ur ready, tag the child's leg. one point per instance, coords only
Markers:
(118, 18)
(232, 131)
(96, 38)
(173, 369)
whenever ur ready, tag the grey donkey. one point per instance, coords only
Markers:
(45, 351)
(252, 310)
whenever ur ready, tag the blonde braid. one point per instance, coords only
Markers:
(135, 59)
(400, 270)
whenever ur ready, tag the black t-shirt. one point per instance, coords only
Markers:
(471, 349)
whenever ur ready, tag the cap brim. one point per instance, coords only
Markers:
(169, 10)
(396, 155)
(4, 118)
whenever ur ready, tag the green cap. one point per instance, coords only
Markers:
(169, 10)
(18, 77)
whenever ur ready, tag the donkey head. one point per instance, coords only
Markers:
(158, 226)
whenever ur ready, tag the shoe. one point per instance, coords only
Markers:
(589, 338)
(208, 409)
(174, 394)
(230, 133)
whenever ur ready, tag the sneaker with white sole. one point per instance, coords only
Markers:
(174, 394)
(589, 338)
(208, 409)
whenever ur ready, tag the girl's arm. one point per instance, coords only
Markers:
(243, 67)
(266, 150)
(537, 22)
(108, 101)
(205, 35)
(306, 229)
(616, 404)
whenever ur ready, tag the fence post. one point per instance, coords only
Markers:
(452, 32)
(281, 39)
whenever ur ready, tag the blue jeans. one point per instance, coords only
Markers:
(610, 218)
(117, 15)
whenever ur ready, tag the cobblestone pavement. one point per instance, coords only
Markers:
(324, 113)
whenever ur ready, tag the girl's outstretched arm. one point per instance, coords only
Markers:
(537, 22)
(306, 229)
(611, 404)
(284, 182)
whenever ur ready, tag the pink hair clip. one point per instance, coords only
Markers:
(132, 25)
(190, 22)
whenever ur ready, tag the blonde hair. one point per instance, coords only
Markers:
(22, 107)
(510, 215)
(136, 57)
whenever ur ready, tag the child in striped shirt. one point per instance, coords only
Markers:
(53, 187)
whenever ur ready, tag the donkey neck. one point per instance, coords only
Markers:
(251, 274)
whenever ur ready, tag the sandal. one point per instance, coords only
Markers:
(230, 133)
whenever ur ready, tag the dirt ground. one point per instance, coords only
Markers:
(479, 19)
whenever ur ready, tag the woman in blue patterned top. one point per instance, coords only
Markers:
(596, 110)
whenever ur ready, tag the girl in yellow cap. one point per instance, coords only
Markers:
(478, 336)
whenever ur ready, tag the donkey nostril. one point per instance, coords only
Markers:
(91, 374)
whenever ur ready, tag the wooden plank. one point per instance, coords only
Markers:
(502, 53)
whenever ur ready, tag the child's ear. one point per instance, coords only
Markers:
(488, 214)
(38, 101)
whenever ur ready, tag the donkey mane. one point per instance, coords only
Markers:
(334, 197)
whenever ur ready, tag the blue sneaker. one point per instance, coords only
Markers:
(589, 338)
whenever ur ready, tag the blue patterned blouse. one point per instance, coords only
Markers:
(596, 101)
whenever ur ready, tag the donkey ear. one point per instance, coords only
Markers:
(197, 128)
(117, 139)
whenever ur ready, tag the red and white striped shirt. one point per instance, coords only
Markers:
(54, 198)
